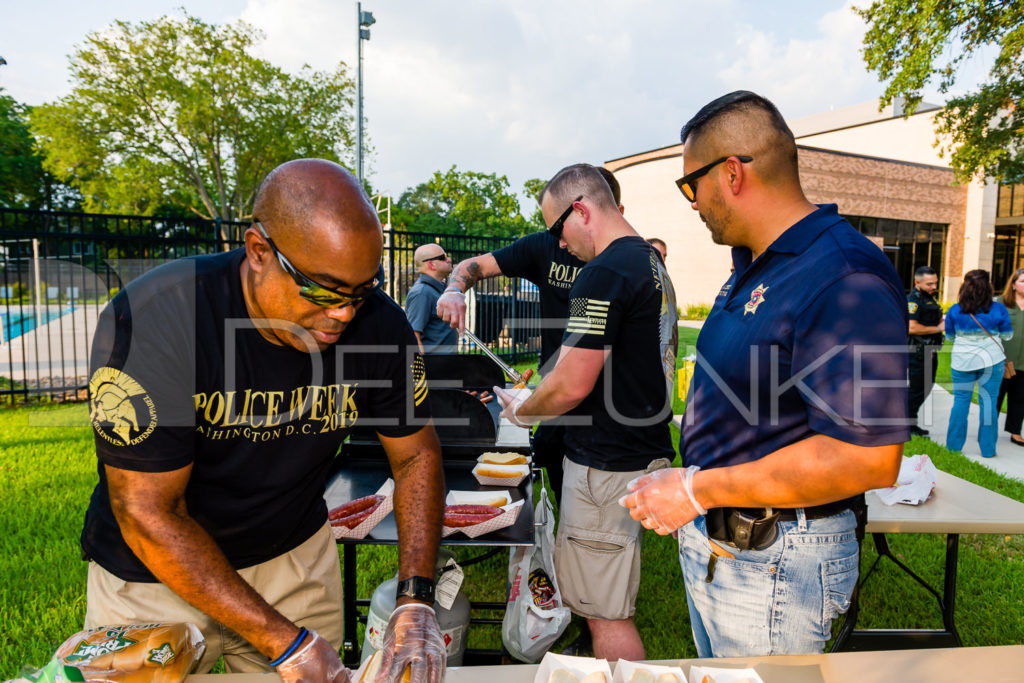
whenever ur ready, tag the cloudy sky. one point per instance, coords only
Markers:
(517, 87)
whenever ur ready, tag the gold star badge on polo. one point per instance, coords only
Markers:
(756, 299)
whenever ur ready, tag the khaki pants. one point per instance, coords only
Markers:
(597, 548)
(304, 585)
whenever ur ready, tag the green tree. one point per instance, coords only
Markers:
(532, 188)
(911, 43)
(180, 112)
(23, 182)
(462, 202)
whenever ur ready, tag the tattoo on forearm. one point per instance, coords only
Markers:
(467, 275)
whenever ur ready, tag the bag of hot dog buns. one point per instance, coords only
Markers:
(147, 653)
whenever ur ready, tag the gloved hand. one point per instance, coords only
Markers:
(314, 661)
(413, 639)
(451, 308)
(660, 501)
(510, 402)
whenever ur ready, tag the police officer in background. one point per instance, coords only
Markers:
(927, 329)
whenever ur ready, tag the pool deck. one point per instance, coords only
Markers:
(56, 354)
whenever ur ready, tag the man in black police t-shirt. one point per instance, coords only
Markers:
(612, 382)
(539, 258)
(222, 387)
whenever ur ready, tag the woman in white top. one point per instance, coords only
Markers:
(976, 325)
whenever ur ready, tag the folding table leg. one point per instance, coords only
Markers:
(949, 586)
(350, 649)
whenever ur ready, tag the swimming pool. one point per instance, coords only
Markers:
(16, 322)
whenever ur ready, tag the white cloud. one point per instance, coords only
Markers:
(517, 87)
(804, 75)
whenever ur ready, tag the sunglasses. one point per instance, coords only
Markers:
(316, 293)
(439, 257)
(688, 183)
(559, 224)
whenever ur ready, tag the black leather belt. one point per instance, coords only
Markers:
(789, 514)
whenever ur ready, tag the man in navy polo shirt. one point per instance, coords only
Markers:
(797, 404)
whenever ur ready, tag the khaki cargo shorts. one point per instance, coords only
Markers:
(597, 549)
(304, 585)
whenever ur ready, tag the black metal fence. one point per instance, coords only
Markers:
(58, 270)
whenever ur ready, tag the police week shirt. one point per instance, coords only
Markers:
(181, 376)
(538, 258)
(623, 299)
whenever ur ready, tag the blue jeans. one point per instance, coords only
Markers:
(988, 380)
(777, 601)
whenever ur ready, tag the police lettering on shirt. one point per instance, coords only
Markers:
(539, 259)
(562, 275)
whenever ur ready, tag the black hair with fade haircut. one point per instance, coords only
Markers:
(923, 271)
(767, 137)
(580, 179)
(738, 100)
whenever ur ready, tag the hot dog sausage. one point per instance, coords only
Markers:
(365, 504)
(470, 509)
(468, 515)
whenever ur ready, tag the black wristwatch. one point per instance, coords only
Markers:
(417, 588)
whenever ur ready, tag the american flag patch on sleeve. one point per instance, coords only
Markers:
(587, 316)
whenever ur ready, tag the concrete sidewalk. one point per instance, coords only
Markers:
(934, 416)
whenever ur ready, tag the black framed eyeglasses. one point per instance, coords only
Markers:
(559, 224)
(688, 183)
(312, 291)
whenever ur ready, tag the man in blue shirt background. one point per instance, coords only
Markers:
(798, 400)
(433, 334)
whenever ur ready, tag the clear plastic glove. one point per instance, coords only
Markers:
(413, 640)
(659, 500)
(510, 402)
(451, 308)
(313, 662)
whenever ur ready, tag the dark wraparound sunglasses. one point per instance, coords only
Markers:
(688, 183)
(312, 291)
(559, 224)
(439, 257)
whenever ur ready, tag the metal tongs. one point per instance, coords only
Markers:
(520, 379)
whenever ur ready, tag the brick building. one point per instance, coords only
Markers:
(887, 178)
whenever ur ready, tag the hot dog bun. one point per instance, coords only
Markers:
(151, 653)
(641, 676)
(503, 458)
(372, 667)
(562, 676)
(499, 471)
(595, 677)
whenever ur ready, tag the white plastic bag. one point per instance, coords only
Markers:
(535, 615)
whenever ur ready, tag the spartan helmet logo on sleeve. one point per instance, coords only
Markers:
(117, 402)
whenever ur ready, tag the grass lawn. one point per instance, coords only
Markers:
(47, 472)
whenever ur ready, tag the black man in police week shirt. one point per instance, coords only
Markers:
(259, 423)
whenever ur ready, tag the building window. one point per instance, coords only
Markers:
(1011, 201)
(909, 244)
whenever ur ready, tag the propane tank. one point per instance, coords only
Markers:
(453, 622)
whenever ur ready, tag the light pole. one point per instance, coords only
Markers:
(363, 22)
